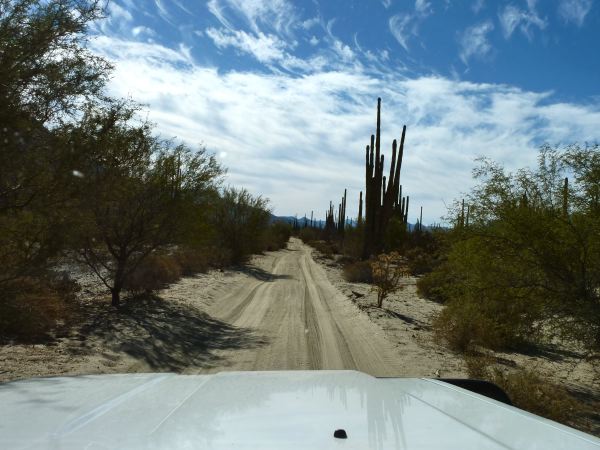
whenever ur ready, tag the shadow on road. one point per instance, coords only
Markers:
(261, 274)
(165, 335)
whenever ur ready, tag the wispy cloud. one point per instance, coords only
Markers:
(474, 41)
(477, 5)
(279, 16)
(404, 26)
(265, 48)
(512, 17)
(574, 11)
(386, 3)
(142, 31)
(400, 28)
(423, 7)
(300, 139)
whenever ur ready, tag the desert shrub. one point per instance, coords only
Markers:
(327, 249)
(466, 323)
(154, 272)
(435, 286)
(527, 390)
(309, 234)
(277, 235)
(32, 309)
(353, 243)
(218, 257)
(387, 272)
(421, 261)
(240, 220)
(463, 327)
(358, 272)
(192, 261)
(530, 253)
(536, 394)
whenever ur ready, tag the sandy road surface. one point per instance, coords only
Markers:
(303, 318)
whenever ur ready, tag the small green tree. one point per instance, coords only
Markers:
(240, 221)
(528, 263)
(45, 74)
(137, 194)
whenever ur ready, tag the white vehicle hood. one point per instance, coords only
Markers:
(265, 410)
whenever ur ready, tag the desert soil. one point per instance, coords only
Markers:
(282, 311)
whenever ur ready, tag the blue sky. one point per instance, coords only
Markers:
(284, 92)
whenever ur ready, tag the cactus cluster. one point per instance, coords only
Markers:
(383, 196)
(335, 223)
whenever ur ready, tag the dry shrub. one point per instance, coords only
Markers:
(462, 326)
(387, 272)
(358, 272)
(527, 390)
(327, 249)
(421, 261)
(307, 235)
(192, 262)
(33, 309)
(277, 236)
(471, 320)
(154, 273)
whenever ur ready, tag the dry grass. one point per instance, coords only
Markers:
(192, 262)
(153, 273)
(528, 390)
(358, 272)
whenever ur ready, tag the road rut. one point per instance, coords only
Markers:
(305, 321)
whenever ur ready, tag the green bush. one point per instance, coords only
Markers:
(358, 272)
(155, 272)
(421, 261)
(277, 236)
(435, 286)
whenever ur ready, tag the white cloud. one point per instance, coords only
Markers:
(423, 7)
(474, 41)
(403, 26)
(399, 27)
(386, 3)
(574, 11)
(477, 6)
(279, 16)
(343, 50)
(309, 23)
(300, 140)
(142, 31)
(265, 48)
(512, 17)
(314, 40)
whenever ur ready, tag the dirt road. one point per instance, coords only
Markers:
(303, 319)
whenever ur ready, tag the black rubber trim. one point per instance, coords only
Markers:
(481, 387)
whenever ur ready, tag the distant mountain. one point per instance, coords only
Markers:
(301, 220)
(321, 223)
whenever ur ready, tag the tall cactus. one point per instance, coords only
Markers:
(565, 194)
(360, 209)
(382, 194)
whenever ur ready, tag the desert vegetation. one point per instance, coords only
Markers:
(516, 267)
(84, 178)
